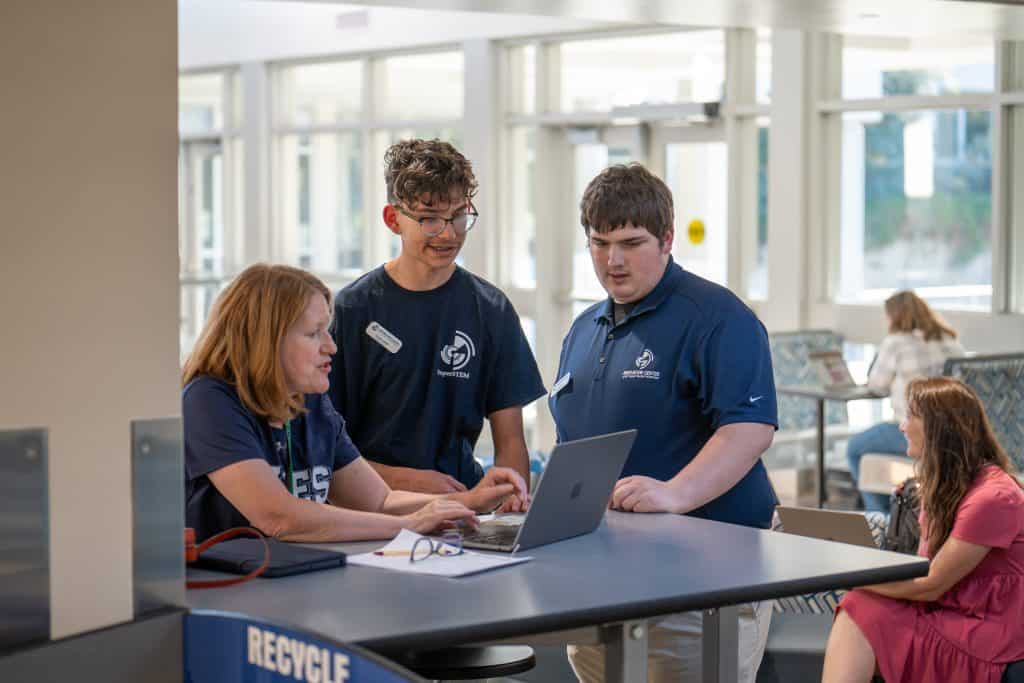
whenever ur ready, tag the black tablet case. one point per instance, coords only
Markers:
(243, 555)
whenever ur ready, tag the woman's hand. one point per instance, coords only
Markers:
(500, 486)
(439, 514)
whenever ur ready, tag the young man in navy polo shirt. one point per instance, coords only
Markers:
(426, 349)
(685, 362)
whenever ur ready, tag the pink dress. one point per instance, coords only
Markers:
(973, 631)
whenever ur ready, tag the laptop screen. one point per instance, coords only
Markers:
(831, 370)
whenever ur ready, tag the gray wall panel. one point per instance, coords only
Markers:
(147, 650)
(158, 509)
(24, 538)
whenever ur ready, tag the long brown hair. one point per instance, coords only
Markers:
(241, 341)
(908, 312)
(958, 445)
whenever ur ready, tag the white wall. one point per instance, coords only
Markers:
(217, 32)
(88, 269)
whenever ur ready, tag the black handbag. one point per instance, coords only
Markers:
(904, 531)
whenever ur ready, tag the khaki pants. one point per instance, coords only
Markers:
(674, 647)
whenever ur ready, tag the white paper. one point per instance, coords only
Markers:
(467, 563)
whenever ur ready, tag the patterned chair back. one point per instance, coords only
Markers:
(790, 355)
(999, 383)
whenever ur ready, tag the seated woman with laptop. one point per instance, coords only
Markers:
(964, 621)
(265, 447)
(917, 345)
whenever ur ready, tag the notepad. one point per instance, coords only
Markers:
(453, 566)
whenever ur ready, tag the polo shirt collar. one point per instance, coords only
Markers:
(650, 302)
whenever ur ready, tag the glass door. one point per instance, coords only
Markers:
(593, 150)
(694, 163)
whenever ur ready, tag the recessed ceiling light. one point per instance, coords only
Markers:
(868, 15)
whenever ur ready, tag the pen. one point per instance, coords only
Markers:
(390, 553)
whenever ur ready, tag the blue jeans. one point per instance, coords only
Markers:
(884, 437)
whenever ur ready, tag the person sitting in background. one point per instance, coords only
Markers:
(918, 344)
(264, 447)
(964, 621)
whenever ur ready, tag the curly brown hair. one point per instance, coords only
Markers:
(958, 444)
(908, 312)
(627, 194)
(432, 168)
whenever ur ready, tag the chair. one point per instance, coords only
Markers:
(999, 382)
(471, 662)
(797, 416)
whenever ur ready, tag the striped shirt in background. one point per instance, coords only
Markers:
(905, 356)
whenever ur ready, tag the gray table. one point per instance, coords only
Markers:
(632, 568)
(820, 395)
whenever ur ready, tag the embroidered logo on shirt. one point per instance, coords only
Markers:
(457, 355)
(644, 361)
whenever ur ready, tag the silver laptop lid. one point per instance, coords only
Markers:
(574, 489)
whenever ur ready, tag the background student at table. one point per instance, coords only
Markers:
(265, 447)
(917, 345)
(964, 621)
(687, 363)
(428, 349)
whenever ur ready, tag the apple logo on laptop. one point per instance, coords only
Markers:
(576, 489)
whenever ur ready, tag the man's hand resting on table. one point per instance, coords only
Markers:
(644, 494)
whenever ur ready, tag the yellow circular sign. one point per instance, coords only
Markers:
(695, 231)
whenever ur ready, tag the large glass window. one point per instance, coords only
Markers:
(916, 206)
(757, 282)
(320, 94)
(418, 87)
(600, 74)
(201, 103)
(763, 66)
(322, 200)
(879, 67)
(521, 81)
(522, 230)
(209, 191)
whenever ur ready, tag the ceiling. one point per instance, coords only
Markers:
(878, 17)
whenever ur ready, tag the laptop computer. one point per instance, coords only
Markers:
(833, 374)
(828, 525)
(570, 499)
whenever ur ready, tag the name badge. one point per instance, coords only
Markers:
(379, 334)
(562, 383)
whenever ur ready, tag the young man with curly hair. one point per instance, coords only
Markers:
(426, 349)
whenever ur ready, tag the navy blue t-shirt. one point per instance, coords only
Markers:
(689, 358)
(220, 431)
(416, 373)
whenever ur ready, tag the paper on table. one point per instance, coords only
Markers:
(453, 566)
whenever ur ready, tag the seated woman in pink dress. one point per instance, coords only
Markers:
(964, 621)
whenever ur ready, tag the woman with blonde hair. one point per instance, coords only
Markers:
(265, 447)
(964, 621)
(917, 345)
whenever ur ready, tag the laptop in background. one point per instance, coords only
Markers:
(833, 374)
(828, 525)
(570, 499)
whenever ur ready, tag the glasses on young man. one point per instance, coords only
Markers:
(432, 226)
(449, 545)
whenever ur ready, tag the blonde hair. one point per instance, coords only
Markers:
(241, 341)
(908, 312)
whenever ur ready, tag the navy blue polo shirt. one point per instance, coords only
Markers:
(417, 371)
(689, 358)
(220, 431)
